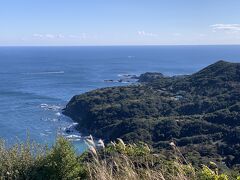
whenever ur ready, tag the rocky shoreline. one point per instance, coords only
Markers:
(199, 112)
(124, 78)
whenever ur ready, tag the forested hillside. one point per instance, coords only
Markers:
(199, 112)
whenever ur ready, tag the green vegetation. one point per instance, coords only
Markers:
(115, 161)
(32, 161)
(200, 113)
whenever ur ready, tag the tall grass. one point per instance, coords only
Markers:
(17, 161)
(120, 161)
(114, 161)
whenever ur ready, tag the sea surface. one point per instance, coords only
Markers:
(37, 82)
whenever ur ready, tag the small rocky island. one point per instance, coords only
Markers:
(199, 112)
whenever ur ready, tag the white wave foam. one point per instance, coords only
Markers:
(78, 139)
(121, 75)
(54, 120)
(73, 136)
(47, 131)
(50, 119)
(58, 114)
(43, 134)
(46, 72)
(127, 75)
(70, 128)
(50, 107)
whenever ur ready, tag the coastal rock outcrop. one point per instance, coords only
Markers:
(199, 112)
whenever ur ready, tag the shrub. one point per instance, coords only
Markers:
(115, 161)
(60, 162)
(209, 174)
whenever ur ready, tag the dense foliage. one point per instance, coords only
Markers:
(199, 112)
(115, 161)
(32, 161)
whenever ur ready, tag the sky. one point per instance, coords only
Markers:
(119, 22)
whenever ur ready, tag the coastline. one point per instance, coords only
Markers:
(188, 110)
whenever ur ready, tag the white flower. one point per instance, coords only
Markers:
(90, 142)
(93, 150)
(101, 143)
(90, 137)
(121, 142)
(113, 144)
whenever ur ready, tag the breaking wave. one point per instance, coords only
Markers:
(45, 72)
(51, 107)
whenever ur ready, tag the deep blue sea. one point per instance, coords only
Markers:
(37, 82)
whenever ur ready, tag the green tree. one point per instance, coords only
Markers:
(61, 163)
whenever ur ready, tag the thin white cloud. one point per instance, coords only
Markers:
(177, 34)
(48, 36)
(228, 28)
(81, 36)
(59, 36)
(143, 33)
(38, 36)
(202, 35)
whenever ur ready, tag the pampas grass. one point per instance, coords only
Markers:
(122, 164)
(114, 161)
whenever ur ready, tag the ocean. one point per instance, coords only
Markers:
(37, 82)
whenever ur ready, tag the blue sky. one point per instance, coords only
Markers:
(119, 22)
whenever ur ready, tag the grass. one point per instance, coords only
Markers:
(114, 161)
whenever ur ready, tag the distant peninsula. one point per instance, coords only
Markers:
(200, 113)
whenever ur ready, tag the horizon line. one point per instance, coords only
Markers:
(117, 45)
